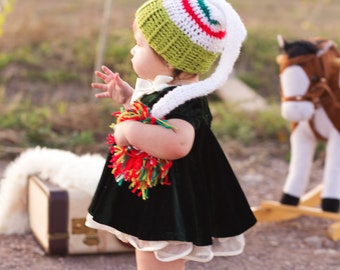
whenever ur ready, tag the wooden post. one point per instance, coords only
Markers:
(101, 47)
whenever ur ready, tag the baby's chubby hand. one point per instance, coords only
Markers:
(120, 131)
(113, 87)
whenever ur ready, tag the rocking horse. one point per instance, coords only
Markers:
(310, 93)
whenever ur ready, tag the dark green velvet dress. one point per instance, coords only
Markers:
(203, 201)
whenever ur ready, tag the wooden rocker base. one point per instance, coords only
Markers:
(275, 211)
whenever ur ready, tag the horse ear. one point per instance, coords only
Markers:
(336, 62)
(281, 41)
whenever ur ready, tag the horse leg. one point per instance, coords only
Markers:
(303, 144)
(331, 191)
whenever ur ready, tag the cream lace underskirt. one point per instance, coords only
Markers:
(167, 251)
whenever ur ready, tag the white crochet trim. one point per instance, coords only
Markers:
(236, 33)
(188, 26)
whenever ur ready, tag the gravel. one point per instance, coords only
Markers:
(295, 244)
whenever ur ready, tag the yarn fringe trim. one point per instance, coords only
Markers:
(137, 167)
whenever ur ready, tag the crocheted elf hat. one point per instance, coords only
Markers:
(190, 35)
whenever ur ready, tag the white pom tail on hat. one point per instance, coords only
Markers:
(236, 34)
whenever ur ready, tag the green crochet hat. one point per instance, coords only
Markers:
(178, 42)
(190, 35)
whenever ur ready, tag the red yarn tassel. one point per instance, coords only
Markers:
(142, 170)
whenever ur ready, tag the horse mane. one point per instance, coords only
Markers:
(299, 47)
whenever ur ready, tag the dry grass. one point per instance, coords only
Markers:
(294, 18)
(34, 20)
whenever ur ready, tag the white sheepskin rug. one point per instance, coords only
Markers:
(60, 167)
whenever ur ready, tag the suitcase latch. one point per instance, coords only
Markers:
(78, 227)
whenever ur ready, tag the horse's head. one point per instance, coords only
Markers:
(304, 70)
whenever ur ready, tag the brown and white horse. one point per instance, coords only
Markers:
(310, 92)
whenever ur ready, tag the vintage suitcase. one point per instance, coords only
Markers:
(57, 220)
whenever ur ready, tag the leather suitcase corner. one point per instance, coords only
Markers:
(57, 220)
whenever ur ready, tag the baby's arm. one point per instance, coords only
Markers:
(157, 140)
(113, 87)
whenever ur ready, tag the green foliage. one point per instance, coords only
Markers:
(257, 66)
(53, 77)
(34, 123)
(82, 138)
(5, 59)
(71, 126)
(59, 125)
(82, 51)
(249, 127)
(118, 55)
(51, 64)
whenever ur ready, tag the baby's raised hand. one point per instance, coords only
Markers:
(113, 87)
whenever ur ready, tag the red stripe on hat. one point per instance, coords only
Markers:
(188, 8)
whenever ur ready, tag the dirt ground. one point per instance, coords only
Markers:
(295, 244)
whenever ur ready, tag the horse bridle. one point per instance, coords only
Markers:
(318, 86)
